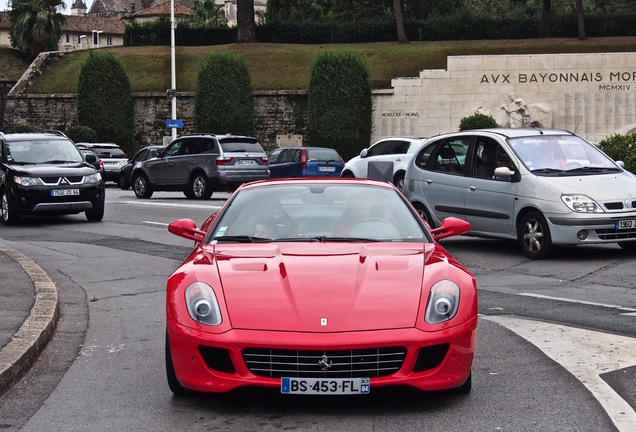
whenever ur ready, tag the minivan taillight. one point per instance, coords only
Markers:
(303, 159)
(222, 160)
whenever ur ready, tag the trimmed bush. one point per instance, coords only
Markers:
(477, 121)
(19, 128)
(223, 99)
(82, 134)
(339, 106)
(621, 147)
(104, 100)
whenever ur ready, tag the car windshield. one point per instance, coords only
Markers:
(318, 212)
(562, 153)
(54, 151)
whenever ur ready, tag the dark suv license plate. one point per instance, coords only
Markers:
(64, 192)
(325, 386)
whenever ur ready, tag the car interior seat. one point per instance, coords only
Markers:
(486, 168)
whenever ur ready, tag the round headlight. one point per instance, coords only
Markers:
(202, 304)
(443, 302)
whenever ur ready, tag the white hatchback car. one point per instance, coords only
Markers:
(398, 150)
(542, 187)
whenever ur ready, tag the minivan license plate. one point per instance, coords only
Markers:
(325, 386)
(625, 224)
(247, 162)
(64, 192)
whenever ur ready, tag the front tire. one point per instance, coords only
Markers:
(123, 182)
(199, 186)
(9, 215)
(424, 214)
(398, 181)
(173, 382)
(534, 236)
(142, 186)
(95, 215)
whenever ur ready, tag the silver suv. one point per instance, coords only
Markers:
(199, 164)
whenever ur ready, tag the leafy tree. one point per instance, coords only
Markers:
(621, 147)
(223, 99)
(208, 14)
(36, 25)
(339, 106)
(245, 21)
(104, 99)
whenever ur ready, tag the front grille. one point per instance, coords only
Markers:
(613, 234)
(620, 205)
(362, 363)
(54, 181)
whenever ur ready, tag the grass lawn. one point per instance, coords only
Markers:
(288, 66)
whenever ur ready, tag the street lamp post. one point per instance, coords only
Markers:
(173, 69)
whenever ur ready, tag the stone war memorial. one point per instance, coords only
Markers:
(592, 95)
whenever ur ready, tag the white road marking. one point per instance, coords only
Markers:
(163, 224)
(585, 354)
(165, 204)
(569, 300)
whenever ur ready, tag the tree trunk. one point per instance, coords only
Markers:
(245, 21)
(579, 13)
(399, 21)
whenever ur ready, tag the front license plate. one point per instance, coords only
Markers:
(625, 224)
(64, 192)
(326, 169)
(247, 162)
(322, 386)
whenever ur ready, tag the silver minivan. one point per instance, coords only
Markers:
(543, 187)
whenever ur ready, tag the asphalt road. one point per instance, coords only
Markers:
(555, 345)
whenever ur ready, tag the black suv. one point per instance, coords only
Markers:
(45, 174)
(201, 163)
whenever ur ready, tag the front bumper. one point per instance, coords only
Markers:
(225, 369)
(592, 229)
(38, 200)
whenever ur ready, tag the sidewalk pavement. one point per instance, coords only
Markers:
(29, 309)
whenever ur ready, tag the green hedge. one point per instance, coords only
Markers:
(223, 99)
(457, 27)
(339, 106)
(621, 147)
(104, 99)
(477, 121)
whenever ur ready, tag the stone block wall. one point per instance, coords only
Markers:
(277, 113)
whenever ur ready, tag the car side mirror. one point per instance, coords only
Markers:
(621, 164)
(451, 226)
(504, 173)
(186, 228)
(364, 153)
(91, 158)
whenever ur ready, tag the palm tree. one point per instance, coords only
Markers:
(208, 14)
(36, 25)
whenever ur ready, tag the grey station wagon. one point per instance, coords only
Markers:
(199, 164)
(544, 188)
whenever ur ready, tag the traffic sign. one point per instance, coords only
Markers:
(174, 123)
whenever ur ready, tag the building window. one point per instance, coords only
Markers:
(109, 41)
(68, 39)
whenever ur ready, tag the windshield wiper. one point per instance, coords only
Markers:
(591, 169)
(324, 239)
(241, 239)
(546, 170)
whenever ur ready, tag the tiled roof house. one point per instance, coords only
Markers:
(79, 32)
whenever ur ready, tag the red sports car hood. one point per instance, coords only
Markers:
(321, 287)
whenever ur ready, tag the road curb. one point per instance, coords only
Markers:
(17, 356)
